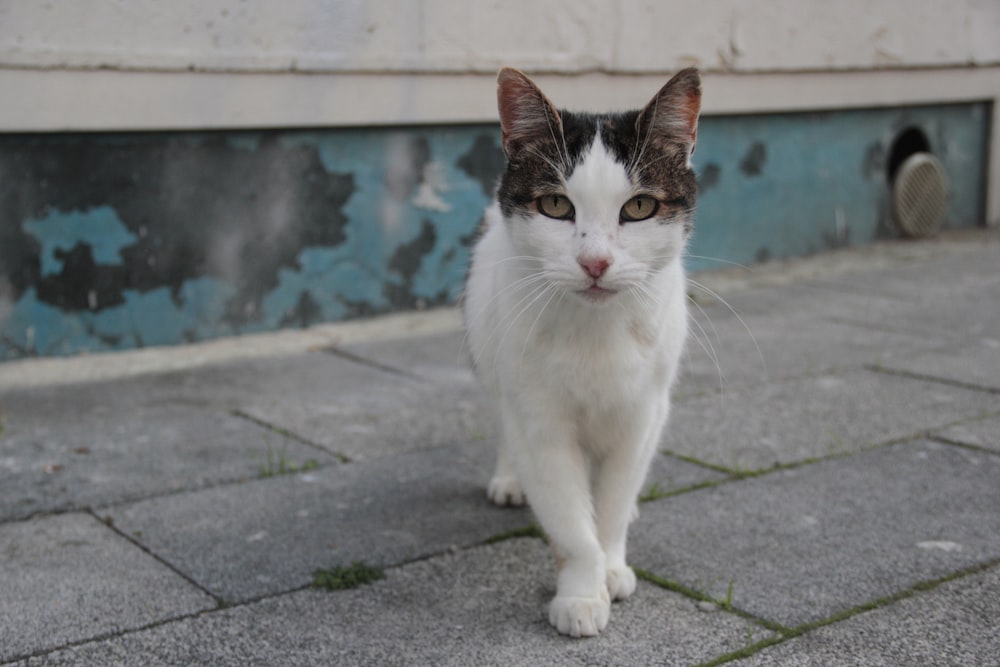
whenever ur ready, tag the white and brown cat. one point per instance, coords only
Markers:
(576, 314)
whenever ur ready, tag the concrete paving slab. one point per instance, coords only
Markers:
(68, 578)
(76, 447)
(976, 363)
(442, 357)
(968, 268)
(269, 536)
(978, 433)
(726, 351)
(485, 606)
(926, 297)
(796, 420)
(802, 544)
(668, 474)
(954, 625)
(362, 412)
(948, 310)
(803, 300)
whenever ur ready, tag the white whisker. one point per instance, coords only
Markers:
(721, 261)
(709, 348)
(538, 294)
(718, 297)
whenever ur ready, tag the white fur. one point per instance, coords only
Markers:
(582, 381)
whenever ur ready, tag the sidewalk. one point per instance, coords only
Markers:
(828, 491)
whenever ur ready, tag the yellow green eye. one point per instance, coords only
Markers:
(556, 206)
(638, 208)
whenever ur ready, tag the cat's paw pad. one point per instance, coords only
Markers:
(578, 616)
(621, 582)
(505, 491)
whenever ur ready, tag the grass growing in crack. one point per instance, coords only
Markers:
(345, 578)
(727, 602)
(534, 530)
(278, 463)
(654, 492)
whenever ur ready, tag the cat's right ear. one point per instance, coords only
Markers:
(526, 115)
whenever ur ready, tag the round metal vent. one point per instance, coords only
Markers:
(920, 195)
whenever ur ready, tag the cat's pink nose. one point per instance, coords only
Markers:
(594, 266)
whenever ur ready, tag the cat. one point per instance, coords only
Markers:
(576, 317)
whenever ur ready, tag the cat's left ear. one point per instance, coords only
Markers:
(673, 112)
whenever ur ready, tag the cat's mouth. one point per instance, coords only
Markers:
(596, 294)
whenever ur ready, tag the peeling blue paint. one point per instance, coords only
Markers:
(98, 227)
(116, 241)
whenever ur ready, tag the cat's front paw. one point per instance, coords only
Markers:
(621, 582)
(505, 491)
(579, 616)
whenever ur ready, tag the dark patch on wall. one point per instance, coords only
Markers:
(305, 313)
(83, 284)
(762, 255)
(198, 205)
(406, 261)
(752, 163)
(484, 162)
(838, 239)
(708, 177)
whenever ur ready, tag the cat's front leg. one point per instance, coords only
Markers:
(504, 488)
(619, 481)
(555, 475)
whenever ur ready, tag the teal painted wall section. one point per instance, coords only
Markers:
(117, 241)
(787, 185)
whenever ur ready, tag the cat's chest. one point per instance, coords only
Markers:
(603, 366)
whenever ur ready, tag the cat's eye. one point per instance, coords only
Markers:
(556, 206)
(641, 207)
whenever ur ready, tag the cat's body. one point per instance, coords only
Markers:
(576, 315)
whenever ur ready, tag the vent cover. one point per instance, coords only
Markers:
(920, 195)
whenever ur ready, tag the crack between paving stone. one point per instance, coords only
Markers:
(220, 604)
(979, 449)
(931, 378)
(885, 328)
(343, 458)
(371, 363)
(736, 475)
(878, 603)
(111, 525)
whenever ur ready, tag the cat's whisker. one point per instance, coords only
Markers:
(473, 318)
(708, 347)
(531, 284)
(515, 258)
(539, 283)
(538, 294)
(531, 329)
(720, 260)
(718, 297)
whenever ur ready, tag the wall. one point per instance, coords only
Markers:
(445, 36)
(353, 144)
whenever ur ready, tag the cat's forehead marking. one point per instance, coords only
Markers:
(599, 179)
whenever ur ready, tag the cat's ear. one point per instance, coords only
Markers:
(526, 115)
(673, 112)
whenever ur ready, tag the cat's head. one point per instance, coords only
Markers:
(601, 202)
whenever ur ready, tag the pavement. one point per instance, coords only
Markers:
(828, 492)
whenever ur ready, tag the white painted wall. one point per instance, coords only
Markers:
(479, 36)
(159, 64)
